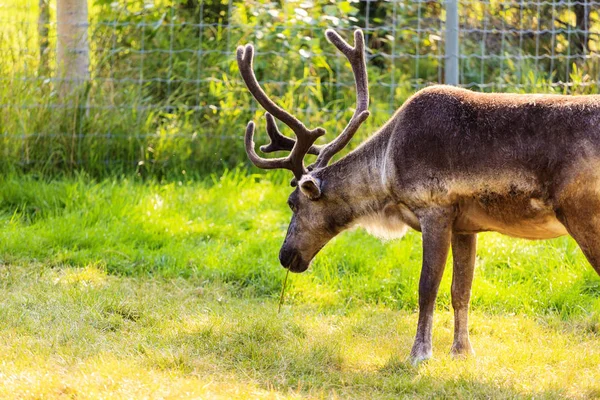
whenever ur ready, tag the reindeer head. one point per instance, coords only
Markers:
(318, 214)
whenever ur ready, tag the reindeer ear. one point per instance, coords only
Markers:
(311, 187)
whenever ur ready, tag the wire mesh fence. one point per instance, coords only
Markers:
(530, 45)
(164, 94)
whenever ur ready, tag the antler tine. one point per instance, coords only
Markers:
(264, 163)
(279, 141)
(245, 57)
(294, 162)
(356, 57)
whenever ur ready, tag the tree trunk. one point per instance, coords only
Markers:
(43, 23)
(72, 52)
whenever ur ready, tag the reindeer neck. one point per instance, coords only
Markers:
(357, 176)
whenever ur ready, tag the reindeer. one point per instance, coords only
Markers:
(449, 163)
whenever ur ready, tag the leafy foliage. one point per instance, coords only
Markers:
(166, 99)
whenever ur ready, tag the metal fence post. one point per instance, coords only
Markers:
(452, 49)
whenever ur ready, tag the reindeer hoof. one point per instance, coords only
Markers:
(420, 353)
(418, 359)
(462, 350)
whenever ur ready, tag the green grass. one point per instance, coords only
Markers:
(123, 288)
(228, 230)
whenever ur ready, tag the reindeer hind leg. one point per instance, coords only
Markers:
(463, 253)
(581, 216)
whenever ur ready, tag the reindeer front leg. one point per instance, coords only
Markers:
(436, 228)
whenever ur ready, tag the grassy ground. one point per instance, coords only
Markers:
(127, 289)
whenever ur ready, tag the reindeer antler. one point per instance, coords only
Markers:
(305, 137)
(356, 56)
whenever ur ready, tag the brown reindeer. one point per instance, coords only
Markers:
(450, 163)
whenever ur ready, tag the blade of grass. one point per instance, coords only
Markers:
(282, 291)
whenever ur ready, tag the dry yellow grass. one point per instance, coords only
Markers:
(78, 333)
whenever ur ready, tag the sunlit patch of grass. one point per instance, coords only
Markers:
(177, 338)
(89, 275)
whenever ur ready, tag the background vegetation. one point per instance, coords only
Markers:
(165, 94)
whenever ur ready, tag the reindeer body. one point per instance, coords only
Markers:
(504, 161)
(450, 163)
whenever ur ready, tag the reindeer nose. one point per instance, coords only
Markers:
(286, 256)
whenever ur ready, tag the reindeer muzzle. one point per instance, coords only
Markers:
(291, 259)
